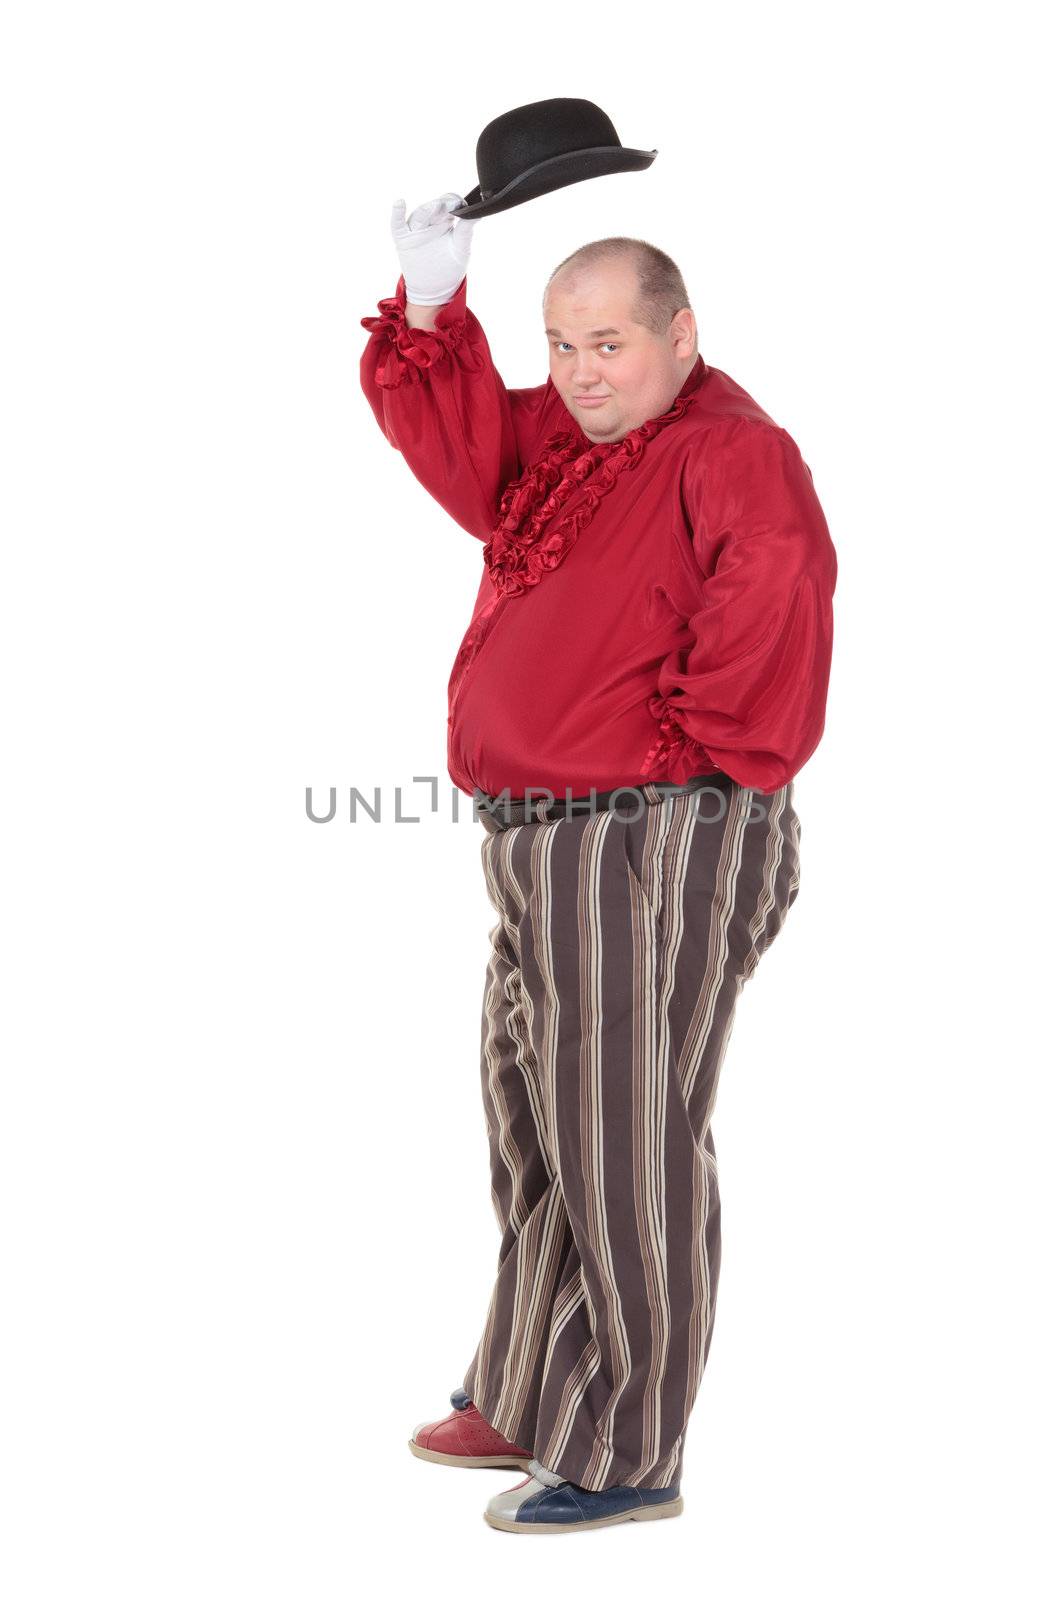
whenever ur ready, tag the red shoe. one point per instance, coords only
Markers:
(466, 1439)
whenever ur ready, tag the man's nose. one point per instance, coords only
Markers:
(586, 374)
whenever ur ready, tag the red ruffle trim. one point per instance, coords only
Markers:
(519, 550)
(674, 756)
(410, 352)
(468, 648)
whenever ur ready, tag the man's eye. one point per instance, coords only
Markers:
(563, 344)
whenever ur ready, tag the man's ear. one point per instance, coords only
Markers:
(683, 334)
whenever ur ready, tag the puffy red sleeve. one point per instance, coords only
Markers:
(750, 691)
(440, 401)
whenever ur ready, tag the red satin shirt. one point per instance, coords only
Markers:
(652, 608)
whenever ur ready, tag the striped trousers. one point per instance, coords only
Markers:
(623, 940)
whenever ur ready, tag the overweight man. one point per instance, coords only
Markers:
(644, 672)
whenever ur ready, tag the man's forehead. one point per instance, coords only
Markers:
(598, 306)
(596, 316)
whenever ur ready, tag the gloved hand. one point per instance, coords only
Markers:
(433, 248)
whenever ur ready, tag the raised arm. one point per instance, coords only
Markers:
(430, 380)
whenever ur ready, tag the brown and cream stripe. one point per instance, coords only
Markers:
(623, 941)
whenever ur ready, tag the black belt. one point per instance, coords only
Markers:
(504, 812)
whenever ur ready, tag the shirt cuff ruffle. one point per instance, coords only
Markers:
(409, 353)
(674, 756)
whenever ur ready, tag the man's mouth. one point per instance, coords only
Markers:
(591, 399)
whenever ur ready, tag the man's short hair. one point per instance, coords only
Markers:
(661, 292)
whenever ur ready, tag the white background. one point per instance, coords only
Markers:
(247, 1234)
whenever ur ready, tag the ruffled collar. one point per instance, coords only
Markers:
(520, 551)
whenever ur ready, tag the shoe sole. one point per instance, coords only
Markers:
(444, 1460)
(670, 1508)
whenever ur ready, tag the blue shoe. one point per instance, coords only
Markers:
(547, 1503)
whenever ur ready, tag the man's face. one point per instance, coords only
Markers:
(612, 373)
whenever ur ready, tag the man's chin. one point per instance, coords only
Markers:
(594, 421)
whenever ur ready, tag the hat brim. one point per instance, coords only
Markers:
(572, 167)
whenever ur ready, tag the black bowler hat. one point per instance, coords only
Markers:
(543, 146)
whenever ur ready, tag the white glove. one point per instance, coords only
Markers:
(433, 249)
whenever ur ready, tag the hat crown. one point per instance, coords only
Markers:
(540, 131)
